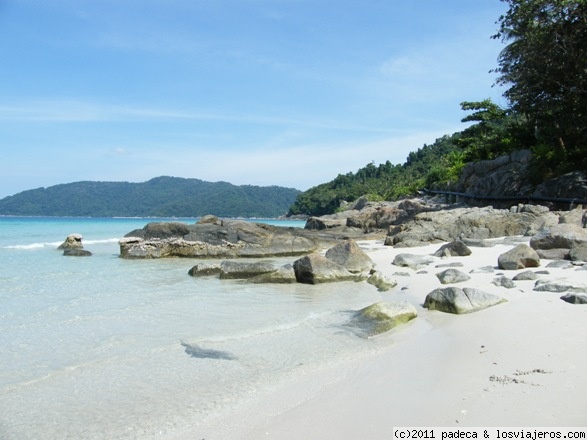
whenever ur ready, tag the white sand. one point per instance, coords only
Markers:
(520, 363)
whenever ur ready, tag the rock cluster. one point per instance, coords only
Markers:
(215, 238)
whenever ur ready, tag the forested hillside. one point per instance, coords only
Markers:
(158, 197)
(544, 67)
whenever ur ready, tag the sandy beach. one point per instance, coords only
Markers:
(519, 363)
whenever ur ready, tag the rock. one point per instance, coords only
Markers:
(578, 253)
(382, 316)
(475, 242)
(76, 253)
(414, 262)
(503, 281)
(217, 239)
(568, 186)
(468, 223)
(73, 241)
(551, 286)
(527, 275)
(210, 219)
(322, 223)
(553, 254)
(561, 236)
(205, 269)
(454, 264)
(459, 301)
(455, 248)
(518, 258)
(350, 256)
(451, 276)
(560, 264)
(230, 270)
(504, 176)
(484, 269)
(315, 268)
(283, 275)
(160, 230)
(380, 281)
(574, 298)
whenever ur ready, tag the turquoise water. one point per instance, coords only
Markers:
(105, 348)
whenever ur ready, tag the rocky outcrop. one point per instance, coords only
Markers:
(72, 241)
(213, 238)
(459, 301)
(382, 316)
(504, 176)
(557, 241)
(470, 223)
(73, 247)
(520, 257)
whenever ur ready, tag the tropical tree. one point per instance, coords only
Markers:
(545, 67)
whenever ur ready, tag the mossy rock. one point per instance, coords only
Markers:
(381, 317)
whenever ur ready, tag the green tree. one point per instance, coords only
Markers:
(545, 67)
(496, 131)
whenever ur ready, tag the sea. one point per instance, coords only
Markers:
(101, 347)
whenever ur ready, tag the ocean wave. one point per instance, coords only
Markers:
(56, 244)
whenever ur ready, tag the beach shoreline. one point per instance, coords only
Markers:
(519, 363)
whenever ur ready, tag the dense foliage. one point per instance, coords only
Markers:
(544, 66)
(382, 182)
(159, 197)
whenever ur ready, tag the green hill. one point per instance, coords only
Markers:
(158, 197)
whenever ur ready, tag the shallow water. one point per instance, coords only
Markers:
(100, 347)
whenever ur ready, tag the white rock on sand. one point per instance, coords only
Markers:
(520, 363)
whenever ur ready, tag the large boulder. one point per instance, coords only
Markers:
(316, 268)
(350, 256)
(382, 316)
(520, 257)
(213, 238)
(459, 301)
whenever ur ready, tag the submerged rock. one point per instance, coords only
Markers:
(380, 281)
(76, 253)
(382, 316)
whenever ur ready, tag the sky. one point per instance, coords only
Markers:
(260, 92)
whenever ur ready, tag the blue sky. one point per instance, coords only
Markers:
(262, 92)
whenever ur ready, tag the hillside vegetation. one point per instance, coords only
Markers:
(544, 67)
(158, 197)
